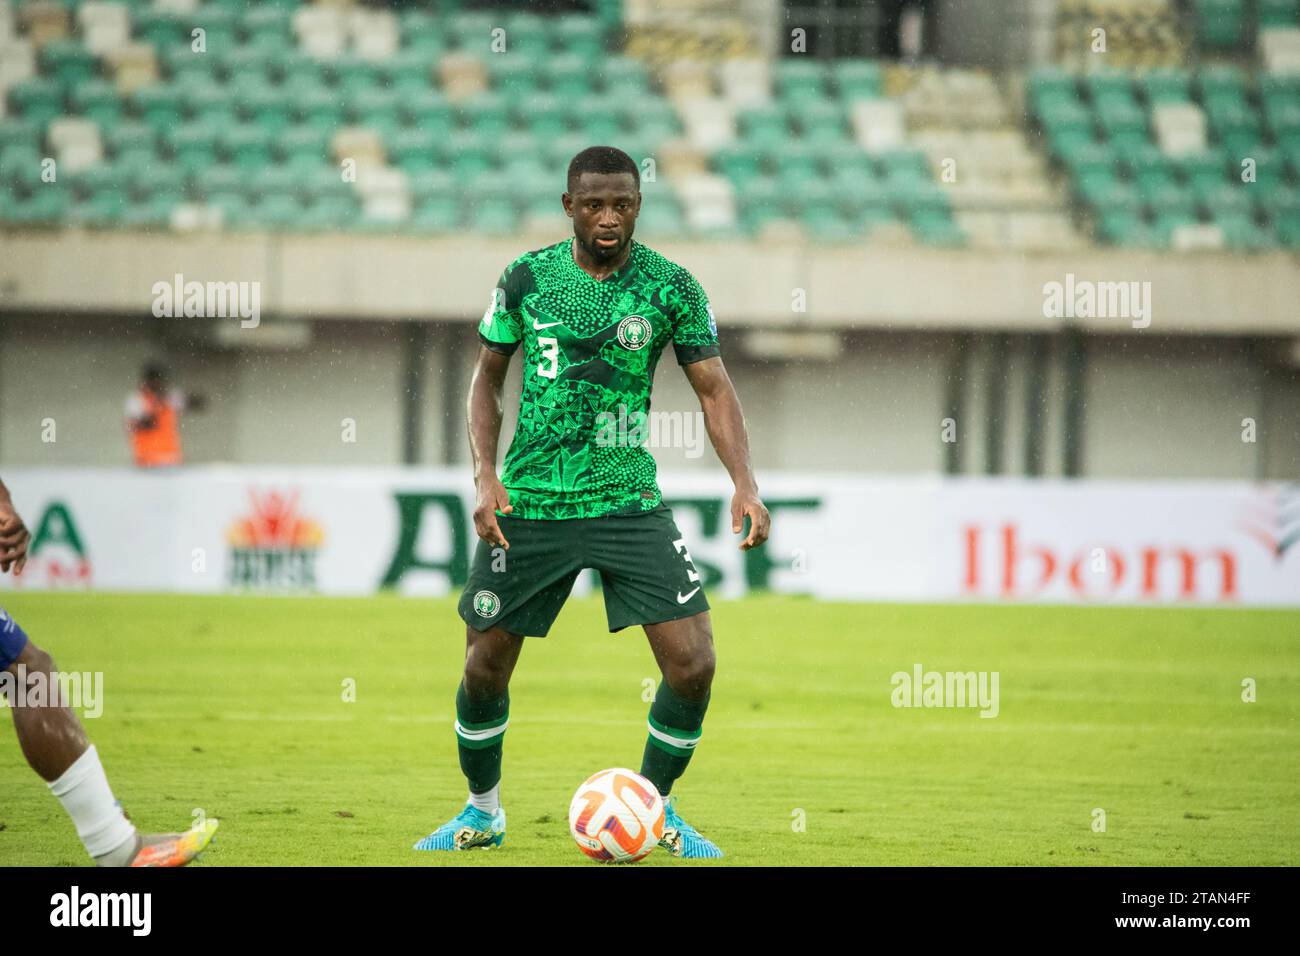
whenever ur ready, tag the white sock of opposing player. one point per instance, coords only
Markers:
(104, 830)
(488, 801)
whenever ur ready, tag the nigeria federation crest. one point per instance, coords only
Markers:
(486, 604)
(634, 332)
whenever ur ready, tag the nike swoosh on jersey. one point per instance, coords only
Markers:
(544, 325)
(683, 598)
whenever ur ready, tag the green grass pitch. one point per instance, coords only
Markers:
(235, 706)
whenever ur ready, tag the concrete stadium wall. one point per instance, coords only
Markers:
(1158, 407)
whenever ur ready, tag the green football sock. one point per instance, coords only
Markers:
(480, 732)
(674, 731)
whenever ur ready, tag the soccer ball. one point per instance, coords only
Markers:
(616, 816)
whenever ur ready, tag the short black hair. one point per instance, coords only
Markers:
(153, 371)
(601, 159)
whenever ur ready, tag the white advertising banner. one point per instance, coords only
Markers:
(358, 531)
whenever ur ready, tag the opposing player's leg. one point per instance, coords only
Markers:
(482, 713)
(55, 745)
(683, 648)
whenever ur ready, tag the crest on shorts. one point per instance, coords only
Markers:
(634, 332)
(486, 604)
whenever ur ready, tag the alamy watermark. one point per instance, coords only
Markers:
(210, 300)
(638, 429)
(83, 690)
(922, 688)
(1086, 299)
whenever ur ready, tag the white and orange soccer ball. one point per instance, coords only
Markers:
(617, 816)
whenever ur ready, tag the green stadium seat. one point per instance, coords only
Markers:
(428, 110)
(269, 107)
(1221, 81)
(221, 179)
(16, 131)
(193, 145)
(799, 79)
(214, 105)
(741, 163)
(580, 36)
(1166, 196)
(276, 180)
(1288, 231)
(352, 74)
(1119, 227)
(1119, 115)
(300, 72)
(472, 31)
(526, 33)
(820, 122)
(321, 108)
(302, 147)
(905, 164)
(1109, 85)
(161, 28)
(1199, 169)
(37, 99)
(247, 146)
(1220, 24)
(544, 116)
(1220, 200)
(487, 114)
(601, 126)
(763, 125)
(329, 213)
(407, 72)
(20, 162)
(797, 164)
(436, 215)
(278, 212)
(570, 77)
(68, 63)
(857, 79)
(416, 150)
(377, 108)
(469, 153)
(625, 77)
(940, 231)
(1228, 118)
(1278, 13)
(1052, 83)
(1242, 233)
(158, 106)
(217, 22)
(1165, 85)
(97, 100)
(130, 139)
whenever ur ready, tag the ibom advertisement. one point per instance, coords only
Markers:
(345, 531)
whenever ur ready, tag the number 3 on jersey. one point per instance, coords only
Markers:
(551, 354)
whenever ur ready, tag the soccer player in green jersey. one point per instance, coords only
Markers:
(592, 314)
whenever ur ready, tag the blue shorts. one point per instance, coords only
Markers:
(12, 639)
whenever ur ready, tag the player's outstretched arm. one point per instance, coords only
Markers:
(483, 416)
(726, 425)
(14, 536)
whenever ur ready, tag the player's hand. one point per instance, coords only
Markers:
(14, 539)
(760, 522)
(492, 497)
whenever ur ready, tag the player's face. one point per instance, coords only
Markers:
(604, 208)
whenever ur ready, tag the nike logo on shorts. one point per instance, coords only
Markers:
(545, 325)
(683, 598)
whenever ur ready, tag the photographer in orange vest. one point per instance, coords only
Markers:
(153, 415)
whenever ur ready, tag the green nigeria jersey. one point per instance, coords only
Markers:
(590, 351)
